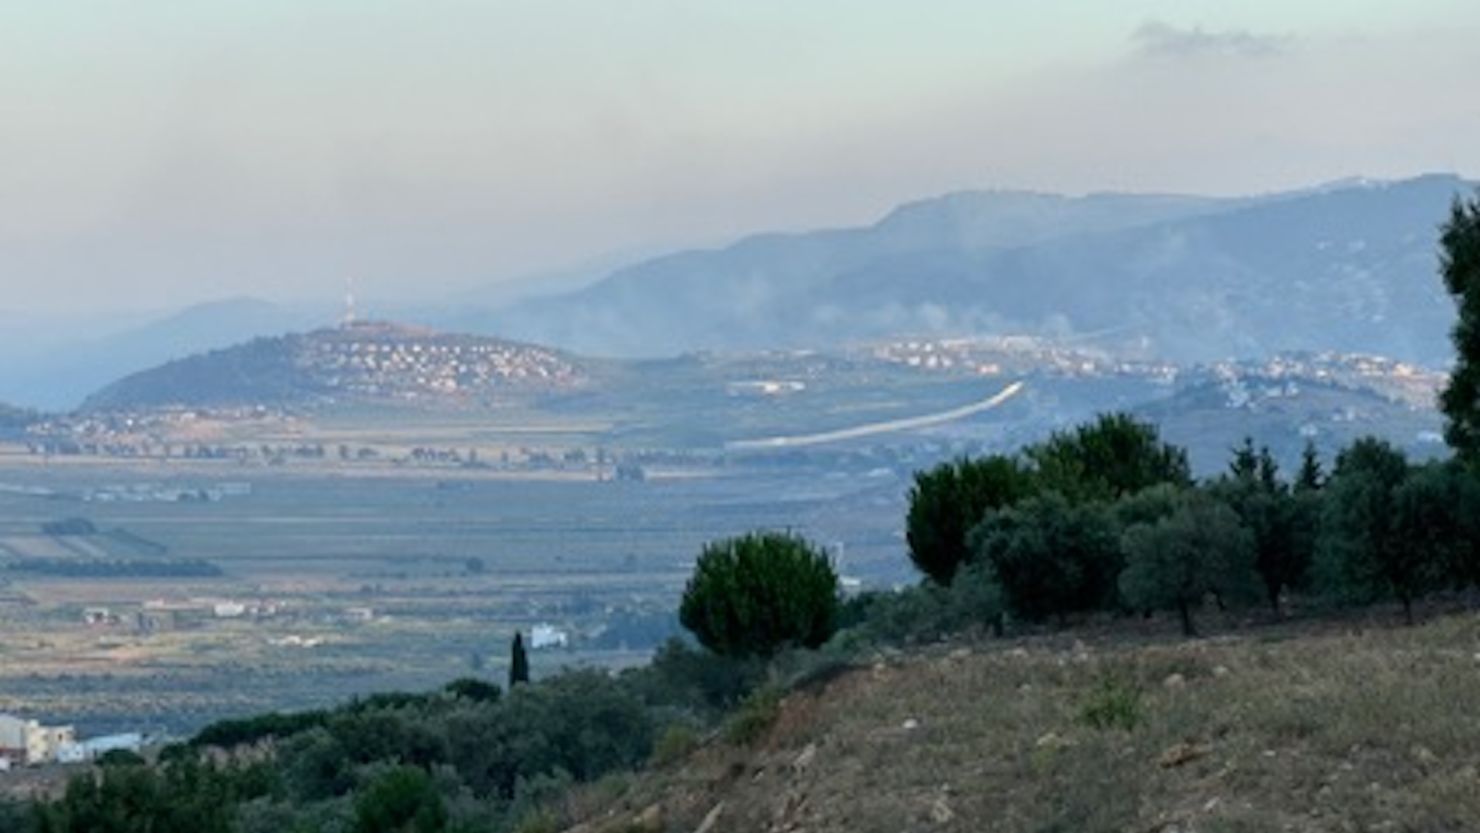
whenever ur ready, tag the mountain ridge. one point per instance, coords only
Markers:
(971, 270)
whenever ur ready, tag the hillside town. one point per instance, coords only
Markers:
(376, 359)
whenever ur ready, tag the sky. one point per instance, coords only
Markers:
(158, 154)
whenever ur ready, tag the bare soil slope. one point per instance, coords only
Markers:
(1344, 729)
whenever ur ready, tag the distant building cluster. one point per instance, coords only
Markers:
(31, 743)
(396, 362)
(544, 637)
(999, 355)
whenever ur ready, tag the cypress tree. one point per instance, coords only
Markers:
(518, 662)
(1459, 263)
(1245, 463)
(1311, 477)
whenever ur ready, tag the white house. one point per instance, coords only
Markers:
(547, 636)
(27, 741)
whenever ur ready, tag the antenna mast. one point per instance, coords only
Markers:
(349, 304)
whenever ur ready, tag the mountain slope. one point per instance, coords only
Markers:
(728, 298)
(60, 377)
(1348, 267)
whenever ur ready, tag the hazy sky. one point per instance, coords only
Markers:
(158, 153)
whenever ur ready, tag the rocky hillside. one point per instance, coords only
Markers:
(1346, 728)
(361, 362)
(1349, 267)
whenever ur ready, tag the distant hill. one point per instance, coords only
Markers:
(1349, 266)
(363, 362)
(13, 420)
(59, 378)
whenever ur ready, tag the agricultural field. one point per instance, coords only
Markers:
(325, 585)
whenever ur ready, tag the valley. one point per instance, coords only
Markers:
(379, 508)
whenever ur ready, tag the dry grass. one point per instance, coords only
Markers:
(1327, 731)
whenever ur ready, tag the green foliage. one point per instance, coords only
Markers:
(186, 797)
(756, 594)
(1280, 522)
(231, 733)
(1460, 267)
(925, 613)
(518, 662)
(470, 688)
(1114, 456)
(680, 675)
(120, 757)
(950, 499)
(1051, 557)
(1376, 541)
(1115, 703)
(402, 799)
(754, 717)
(1311, 476)
(1200, 549)
(675, 744)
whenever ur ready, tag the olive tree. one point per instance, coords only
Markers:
(1198, 550)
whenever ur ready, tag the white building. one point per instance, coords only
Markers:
(29, 742)
(547, 636)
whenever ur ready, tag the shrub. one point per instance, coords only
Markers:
(676, 742)
(470, 688)
(756, 594)
(1115, 703)
(757, 714)
(121, 757)
(686, 677)
(400, 800)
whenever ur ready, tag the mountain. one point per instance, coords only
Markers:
(59, 377)
(1348, 266)
(368, 361)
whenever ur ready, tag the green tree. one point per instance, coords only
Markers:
(518, 662)
(1050, 557)
(950, 499)
(1245, 462)
(1114, 456)
(758, 593)
(1272, 515)
(1174, 563)
(1370, 519)
(1311, 476)
(1460, 266)
(472, 688)
(402, 799)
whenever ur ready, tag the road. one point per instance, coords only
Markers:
(871, 429)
